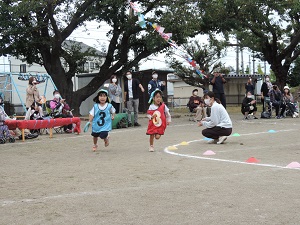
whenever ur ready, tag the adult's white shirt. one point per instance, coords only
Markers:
(218, 117)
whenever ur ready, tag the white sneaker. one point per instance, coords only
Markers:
(222, 140)
(151, 149)
(296, 114)
(213, 141)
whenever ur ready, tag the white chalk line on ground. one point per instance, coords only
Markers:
(231, 161)
(4, 203)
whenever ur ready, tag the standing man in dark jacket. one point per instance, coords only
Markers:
(131, 92)
(155, 83)
(217, 82)
(266, 87)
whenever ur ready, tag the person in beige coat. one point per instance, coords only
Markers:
(32, 95)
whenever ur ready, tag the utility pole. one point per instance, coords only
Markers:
(249, 64)
(242, 59)
(253, 60)
(237, 57)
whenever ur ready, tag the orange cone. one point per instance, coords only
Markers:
(252, 160)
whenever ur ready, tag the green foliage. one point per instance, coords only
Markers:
(294, 76)
(35, 30)
(207, 57)
(259, 70)
(270, 28)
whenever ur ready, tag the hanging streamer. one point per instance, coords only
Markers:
(167, 37)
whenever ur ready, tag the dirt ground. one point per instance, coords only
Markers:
(61, 181)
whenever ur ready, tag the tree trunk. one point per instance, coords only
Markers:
(281, 73)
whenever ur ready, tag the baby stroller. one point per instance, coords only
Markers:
(4, 131)
(289, 112)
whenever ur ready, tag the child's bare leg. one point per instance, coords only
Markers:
(151, 139)
(95, 140)
(157, 136)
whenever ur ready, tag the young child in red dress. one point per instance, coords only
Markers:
(159, 117)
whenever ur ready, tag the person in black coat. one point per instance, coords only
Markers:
(249, 106)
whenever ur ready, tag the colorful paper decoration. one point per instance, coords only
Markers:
(167, 37)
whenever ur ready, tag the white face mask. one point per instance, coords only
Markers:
(57, 96)
(114, 80)
(155, 76)
(207, 101)
(195, 92)
(267, 79)
(249, 96)
(129, 76)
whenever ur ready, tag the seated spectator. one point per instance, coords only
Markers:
(33, 113)
(60, 108)
(17, 132)
(197, 105)
(288, 100)
(276, 101)
(249, 106)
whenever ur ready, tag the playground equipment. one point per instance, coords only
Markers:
(13, 87)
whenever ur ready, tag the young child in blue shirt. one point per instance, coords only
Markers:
(101, 116)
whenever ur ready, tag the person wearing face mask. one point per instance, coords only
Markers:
(249, 86)
(288, 100)
(114, 92)
(249, 106)
(218, 82)
(60, 108)
(276, 101)
(33, 95)
(4, 117)
(155, 84)
(131, 91)
(196, 105)
(218, 126)
(265, 89)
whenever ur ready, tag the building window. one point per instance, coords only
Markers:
(86, 67)
(92, 65)
(22, 68)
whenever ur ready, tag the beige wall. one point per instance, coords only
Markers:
(182, 89)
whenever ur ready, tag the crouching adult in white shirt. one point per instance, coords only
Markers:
(218, 125)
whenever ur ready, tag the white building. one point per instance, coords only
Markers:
(13, 84)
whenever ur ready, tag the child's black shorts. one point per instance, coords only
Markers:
(102, 134)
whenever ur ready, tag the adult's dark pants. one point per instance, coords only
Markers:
(116, 106)
(222, 98)
(216, 132)
(277, 106)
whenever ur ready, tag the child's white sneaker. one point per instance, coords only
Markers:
(151, 149)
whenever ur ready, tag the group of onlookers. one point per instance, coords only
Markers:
(271, 97)
(132, 88)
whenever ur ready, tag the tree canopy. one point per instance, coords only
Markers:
(270, 28)
(35, 30)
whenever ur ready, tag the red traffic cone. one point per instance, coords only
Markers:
(252, 160)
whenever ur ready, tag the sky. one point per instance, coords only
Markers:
(96, 37)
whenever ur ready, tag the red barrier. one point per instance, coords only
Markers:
(40, 124)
